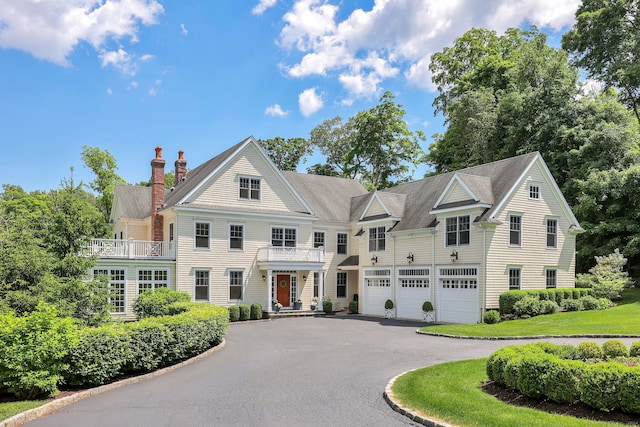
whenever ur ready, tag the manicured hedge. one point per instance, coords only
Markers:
(509, 299)
(234, 313)
(544, 370)
(159, 302)
(256, 312)
(245, 311)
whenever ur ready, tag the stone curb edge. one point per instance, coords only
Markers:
(412, 415)
(532, 337)
(54, 405)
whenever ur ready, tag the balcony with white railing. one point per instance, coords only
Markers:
(285, 254)
(130, 249)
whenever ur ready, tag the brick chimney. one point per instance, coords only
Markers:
(181, 167)
(157, 196)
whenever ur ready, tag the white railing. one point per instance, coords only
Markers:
(132, 249)
(290, 254)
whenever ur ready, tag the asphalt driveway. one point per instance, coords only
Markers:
(286, 372)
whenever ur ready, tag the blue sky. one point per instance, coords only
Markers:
(128, 75)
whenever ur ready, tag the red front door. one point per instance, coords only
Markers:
(283, 284)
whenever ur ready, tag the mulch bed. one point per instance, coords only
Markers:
(578, 410)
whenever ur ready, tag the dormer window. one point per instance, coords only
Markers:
(377, 239)
(534, 191)
(249, 188)
(458, 229)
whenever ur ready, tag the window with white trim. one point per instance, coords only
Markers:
(117, 285)
(316, 283)
(150, 280)
(283, 237)
(551, 278)
(171, 235)
(515, 230)
(202, 285)
(342, 240)
(377, 239)
(202, 235)
(413, 277)
(236, 237)
(514, 278)
(235, 285)
(552, 232)
(341, 284)
(534, 191)
(319, 239)
(458, 230)
(249, 188)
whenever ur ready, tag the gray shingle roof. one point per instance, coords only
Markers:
(491, 182)
(328, 197)
(134, 201)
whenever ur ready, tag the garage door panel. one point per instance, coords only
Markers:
(377, 289)
(458, 295)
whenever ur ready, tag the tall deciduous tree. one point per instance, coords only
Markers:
(606, 42)
(375, 146)
(286, 153)
(104, 166)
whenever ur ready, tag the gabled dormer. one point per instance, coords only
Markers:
(388, 206)
(465, 191)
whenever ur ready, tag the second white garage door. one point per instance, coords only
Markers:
(458, 298)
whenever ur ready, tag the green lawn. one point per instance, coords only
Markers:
(623, 319)
(452, 392)
(9, 409)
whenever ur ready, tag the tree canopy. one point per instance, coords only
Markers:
(104, 166)
(605, 40)
(286, 153)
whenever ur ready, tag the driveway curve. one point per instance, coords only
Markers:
(324, 371)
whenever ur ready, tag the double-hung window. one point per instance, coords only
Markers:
(117, 284)
(458, 229)
(235, 284)
(515, 230)
(552, 233)
(377, 239)
(534, 191)
(249, 188)
(514, 278)
(236, 237)
(342, 239)
(283, 237)
(150, 280)
(341, 284)
(202, 285)
(551, 277)
(202, 234)
(318, 239)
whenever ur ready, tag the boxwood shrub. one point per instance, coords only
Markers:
(531, 371)
(590, 350)
(353, 307)
(630, 390)
(508, 300)
(490, 317)
(562, 381)
(158, 302)
(634, 350)
(614, 348)
(245, 311)
(256, 312)
(601, 385)
(149, 342)
(234, 313)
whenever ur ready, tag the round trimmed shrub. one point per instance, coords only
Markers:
(245, 312)
(589, 303)
(614, 348)
(634, 350)
(497, 363)
(327, 306)
(572, 305)
(490, 317)
(601, 384)
(562, 380)
(508, 300)
(157, 302)
(548, 307)
(388, 304)
(590, 350)
(528, 305)
(353, 307)
(630, 391)
(256, 312)
(427, 306)
(531, 371)
(234, 313)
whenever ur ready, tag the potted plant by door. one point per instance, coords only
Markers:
(427, 312)
(388, 310)
(275, 305)
(297, 305)
(314, 303)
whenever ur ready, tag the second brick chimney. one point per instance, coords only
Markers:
(181, 167)
(157, 196)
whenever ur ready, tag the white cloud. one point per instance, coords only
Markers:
(309, 102)
(52, 29)
(109, 91)
(367, 47)
(132, 85)
(261, 7)
(184, 30)
(276, 111)
(155, 88)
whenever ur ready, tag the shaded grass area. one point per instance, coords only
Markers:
(452, 392)
(9, 409)
(623, 319)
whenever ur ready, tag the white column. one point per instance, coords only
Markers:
(269, 290)
(321, 287)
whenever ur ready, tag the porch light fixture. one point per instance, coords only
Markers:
(374, 259)
(454, 256)
(264, 278)
(304, 278)
(410, 258)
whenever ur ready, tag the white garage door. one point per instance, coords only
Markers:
(457, 295)
(377, 289)
(413, 290)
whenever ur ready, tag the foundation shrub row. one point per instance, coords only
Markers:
(509, 299)
(605, 377)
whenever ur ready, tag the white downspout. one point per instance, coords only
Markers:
(434, 290)
(484, 273)
(393, 274)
